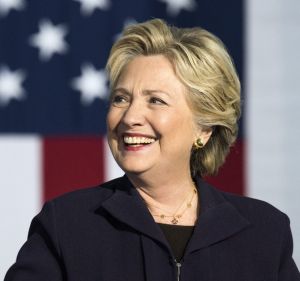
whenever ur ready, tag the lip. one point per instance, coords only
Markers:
(136, 148)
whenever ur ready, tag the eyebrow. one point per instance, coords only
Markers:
(145, 92)
(157, 91)
(123, 90)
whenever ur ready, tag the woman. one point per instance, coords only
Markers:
(174, 106)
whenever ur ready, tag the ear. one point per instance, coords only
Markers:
(204, 134)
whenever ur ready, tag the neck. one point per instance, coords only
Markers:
(167, 192)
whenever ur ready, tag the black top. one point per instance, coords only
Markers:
(178, 236)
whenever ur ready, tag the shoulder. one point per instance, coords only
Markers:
(249, 205)
(86, 198)
(257, 212)
(250, 208)
(75, 209)
(267, 236)
(268, 228)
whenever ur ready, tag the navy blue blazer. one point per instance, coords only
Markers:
(106, 233)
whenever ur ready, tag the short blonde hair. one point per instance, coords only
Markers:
(201, 62)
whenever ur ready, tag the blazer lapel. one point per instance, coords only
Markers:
(127, 206)
(218, 218)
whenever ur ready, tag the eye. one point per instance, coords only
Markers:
(119, 100)
(156, 100)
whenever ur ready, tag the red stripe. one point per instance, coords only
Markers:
(70, 163)
(231, 176)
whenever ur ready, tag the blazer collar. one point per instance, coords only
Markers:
(218, 218)
(127, 206)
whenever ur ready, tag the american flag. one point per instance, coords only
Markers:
(54, 96)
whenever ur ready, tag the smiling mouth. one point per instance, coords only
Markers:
(137, 141)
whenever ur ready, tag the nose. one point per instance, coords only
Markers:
(134, 115)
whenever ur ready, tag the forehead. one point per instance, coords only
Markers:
(148, 72)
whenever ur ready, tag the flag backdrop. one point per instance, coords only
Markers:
(53, 99)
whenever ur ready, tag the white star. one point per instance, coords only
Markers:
(127, 22)
(88, 6)
(10, 85)
(7, 5)
(91, 84)
(174, 6)
(49, 39)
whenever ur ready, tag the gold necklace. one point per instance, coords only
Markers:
(175, 216)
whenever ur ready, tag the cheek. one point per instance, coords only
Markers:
(167, 119)
(177, 133)
(177, 124)
(111, 125)
(111, 121)
(164, 125)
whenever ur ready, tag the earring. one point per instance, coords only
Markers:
(198, 143)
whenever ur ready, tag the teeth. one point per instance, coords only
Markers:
(138, 140)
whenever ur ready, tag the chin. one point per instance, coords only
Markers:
(133, 167)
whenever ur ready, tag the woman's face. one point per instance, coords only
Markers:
(150, 125)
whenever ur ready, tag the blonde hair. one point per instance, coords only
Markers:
(201, 62)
